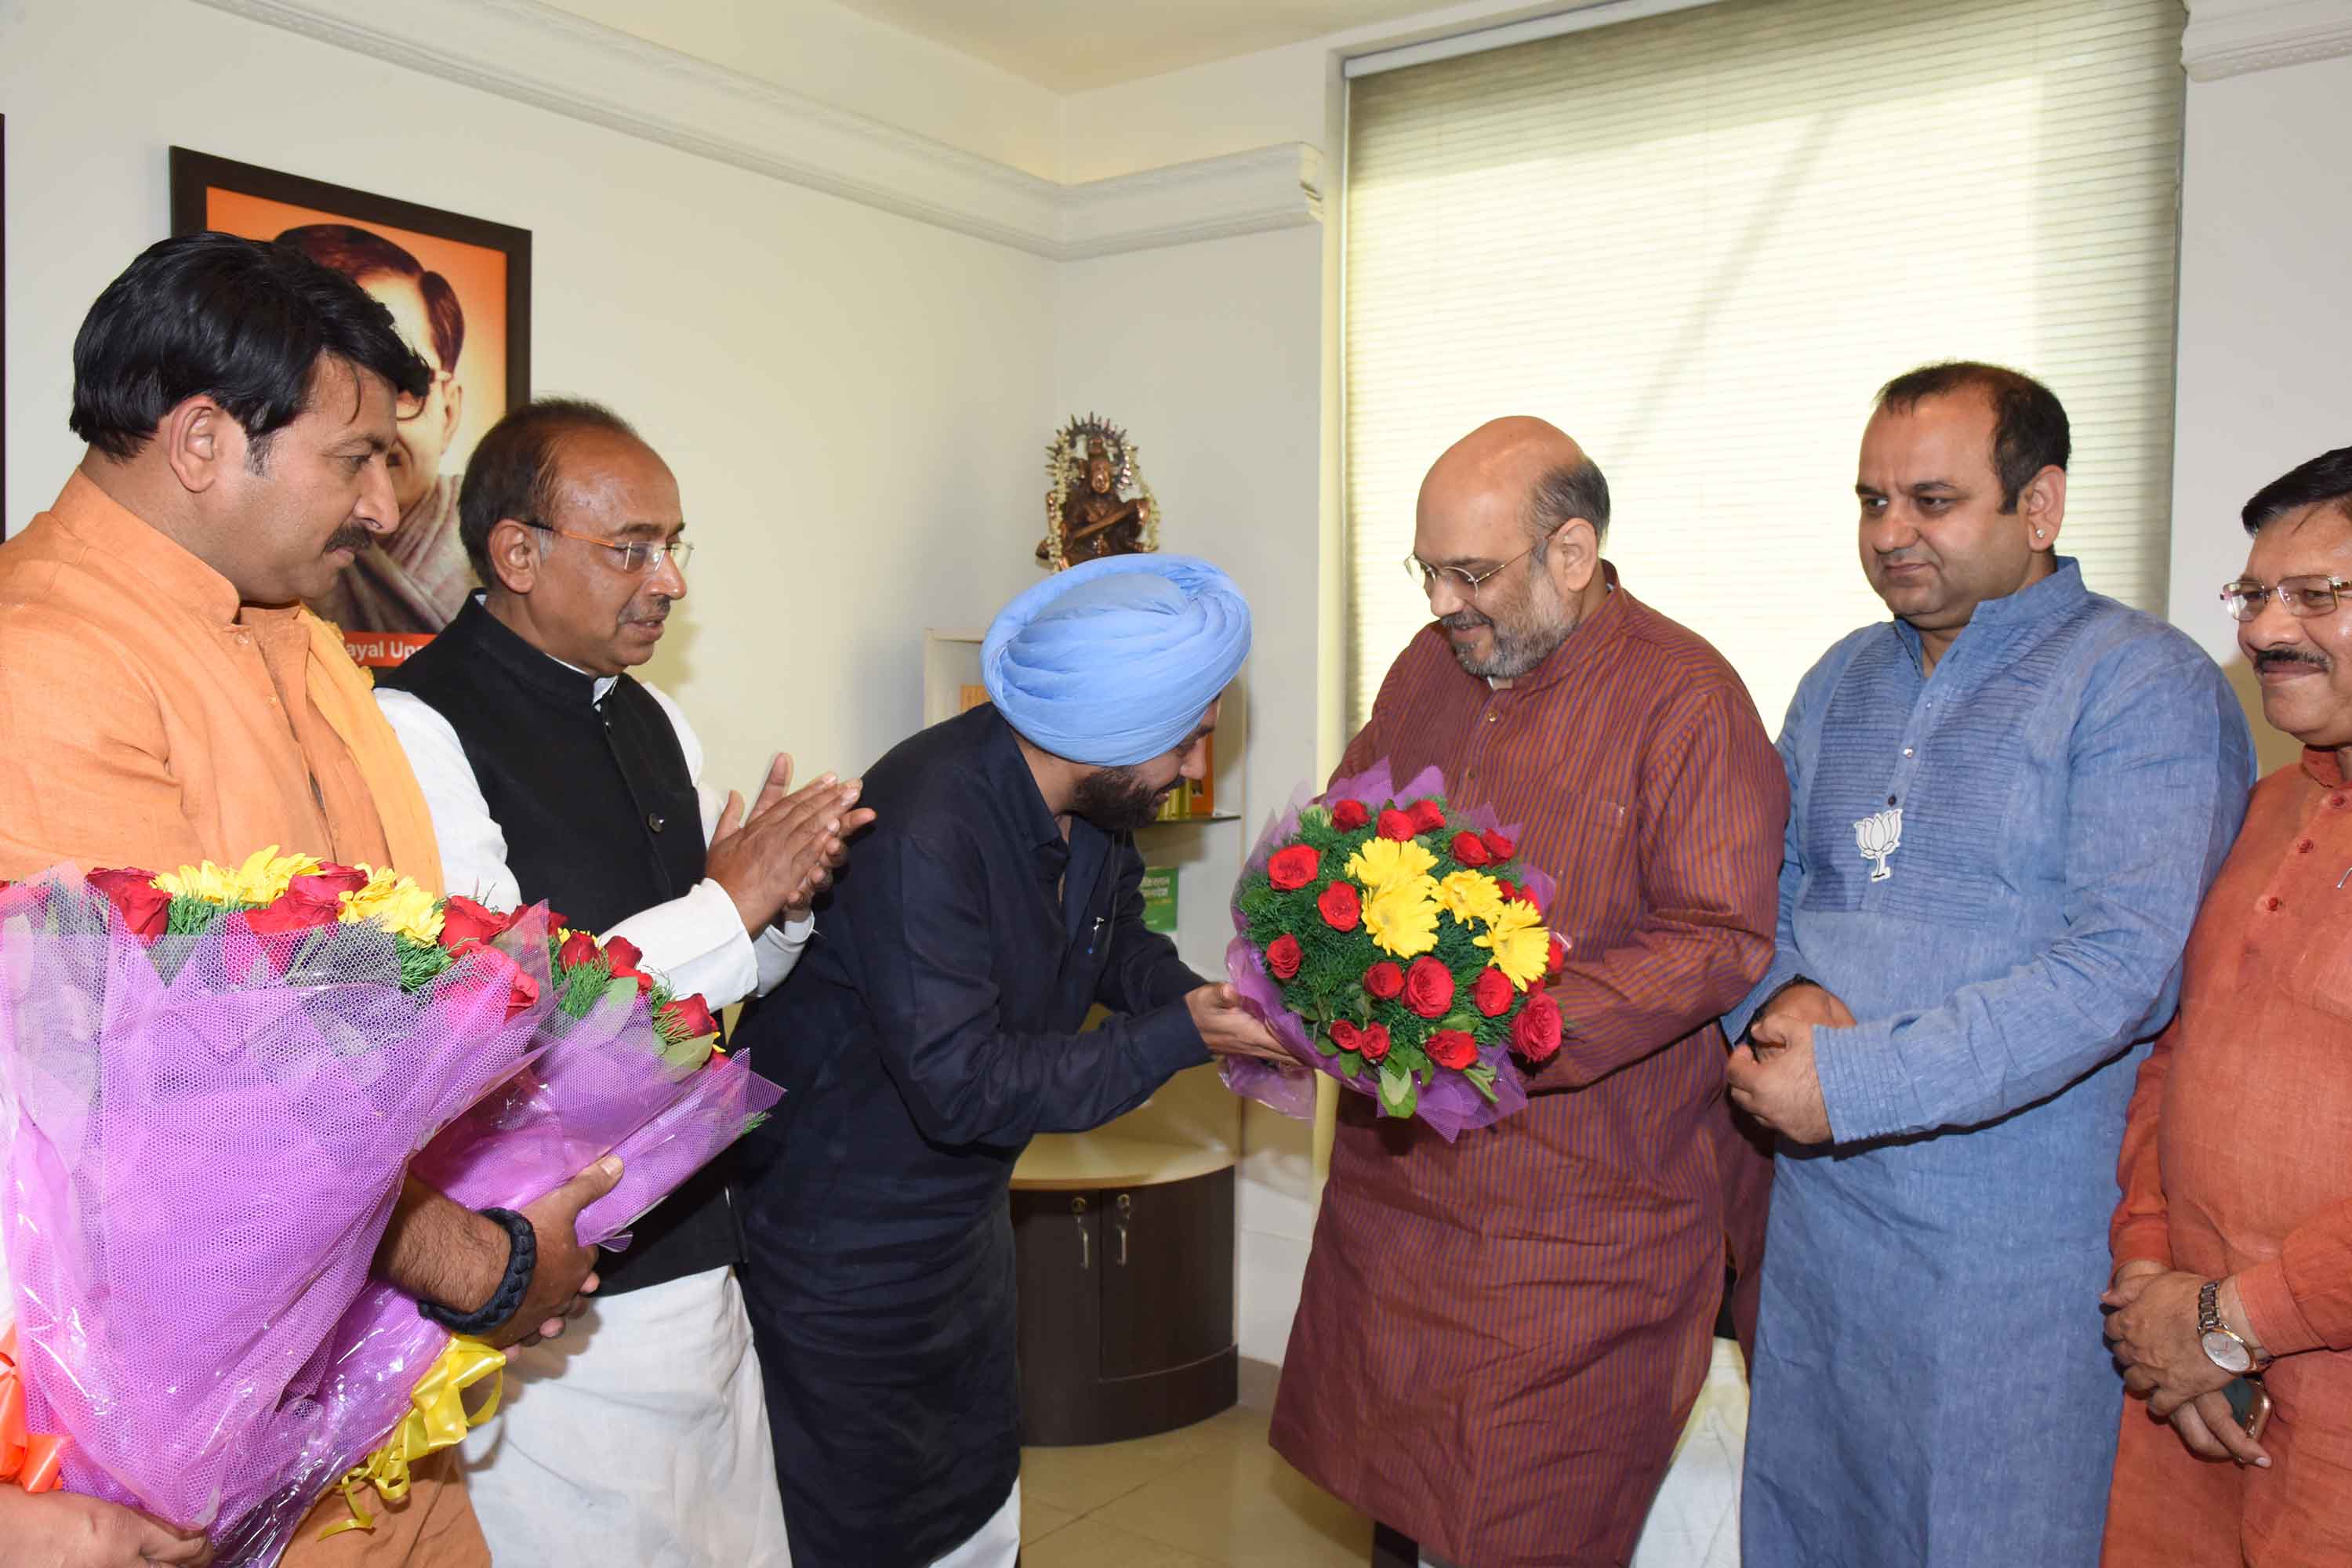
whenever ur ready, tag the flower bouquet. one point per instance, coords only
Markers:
(1396, 944)
(217, 1080)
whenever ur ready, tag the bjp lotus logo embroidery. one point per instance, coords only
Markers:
(1878, 836)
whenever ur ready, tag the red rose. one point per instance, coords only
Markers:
(1373, 1044)
(1509, 888)
(1534, 1033)
(467, 924)
(622, 955)
(144, 906)
(1469, 849)
(293, 911)
(330, 882)
(1345, 1036)
(1347, 816)
(1293, 868)
(1559, 959)
(1341, 905)
(1282, 956)
(690, 1017)
(1452, 1049)
(496, 969)
(1396, 824)
(1385, 979)
(1428, 987)
(579, 950)
(1426, 817)
(1493, 992)
(1498, 848)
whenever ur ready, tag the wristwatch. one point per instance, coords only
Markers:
(2224, 1347)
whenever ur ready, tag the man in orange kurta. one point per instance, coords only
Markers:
(2237, 1162)
(1500, 1338)
(164, 700)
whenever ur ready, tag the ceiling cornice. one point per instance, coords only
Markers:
(565, 64)
(2230, 37)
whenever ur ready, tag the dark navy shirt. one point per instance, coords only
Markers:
(930, 1030)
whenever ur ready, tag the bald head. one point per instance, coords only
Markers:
(1516, 506)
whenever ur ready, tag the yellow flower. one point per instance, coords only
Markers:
(396, 903)
(262, 879)
(1521, 946)
(1402, 918)
(1471, 896)
(1383, 863)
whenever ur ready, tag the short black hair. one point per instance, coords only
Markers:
(2029, 432)
(1572, 490)
(359, 254)
(240, 321)
(2327, 478)
(513, 471)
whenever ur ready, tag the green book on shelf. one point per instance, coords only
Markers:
(1160, 898)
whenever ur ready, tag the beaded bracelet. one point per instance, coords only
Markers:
(522, 1261)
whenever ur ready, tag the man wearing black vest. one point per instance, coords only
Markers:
(553, 775)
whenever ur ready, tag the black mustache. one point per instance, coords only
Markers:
(2266, 657)
(1464, 621)
(351, 536)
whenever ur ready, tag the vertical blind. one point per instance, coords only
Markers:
(1700, 242)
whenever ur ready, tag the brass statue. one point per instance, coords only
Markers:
(1088, 514)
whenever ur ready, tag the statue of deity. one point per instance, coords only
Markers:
(1087, 514)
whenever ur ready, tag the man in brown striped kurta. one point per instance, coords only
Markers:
(1500, 1338)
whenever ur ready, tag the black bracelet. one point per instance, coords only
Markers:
(522, 1261)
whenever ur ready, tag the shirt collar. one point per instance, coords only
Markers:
(118, 535)
(534, 666)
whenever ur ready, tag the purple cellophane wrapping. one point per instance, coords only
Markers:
(200, 1172)
(598, 1086)
(1451, 1104)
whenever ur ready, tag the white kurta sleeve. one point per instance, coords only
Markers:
(695, 941)
(473, 846)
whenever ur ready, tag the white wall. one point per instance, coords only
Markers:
(1211, 355)
(854, 403)
(2265, 323)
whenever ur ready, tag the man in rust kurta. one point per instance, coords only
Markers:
(2237, 1160)
(1500, 1338)
(164, 700)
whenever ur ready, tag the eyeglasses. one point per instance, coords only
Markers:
(405, 408)
(2305, 598)
(636, 557)
(1466, 583)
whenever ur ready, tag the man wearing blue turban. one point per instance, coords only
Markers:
(933, 1027)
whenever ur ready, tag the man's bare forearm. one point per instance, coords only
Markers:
(440, 1251)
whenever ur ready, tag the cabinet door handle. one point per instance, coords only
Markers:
(1085, 1243)
(1126, 1209)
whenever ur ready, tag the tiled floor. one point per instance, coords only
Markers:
(1204, 1496)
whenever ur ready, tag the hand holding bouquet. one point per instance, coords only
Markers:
(1398, 946)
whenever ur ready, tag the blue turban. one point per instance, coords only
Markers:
(1114, 661)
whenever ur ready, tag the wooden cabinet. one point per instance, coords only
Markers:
(1127, 1307)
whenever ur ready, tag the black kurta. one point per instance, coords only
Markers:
(930, 1031)
(601, 820)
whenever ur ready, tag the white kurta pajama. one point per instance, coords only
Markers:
(640, 1436)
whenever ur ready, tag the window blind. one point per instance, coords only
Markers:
(1699, 243)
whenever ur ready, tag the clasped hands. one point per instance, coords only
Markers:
(1772, 1073)
(2152, 1329)
(776, 859)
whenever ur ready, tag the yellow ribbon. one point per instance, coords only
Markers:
(439, 1420)
(31, 1460)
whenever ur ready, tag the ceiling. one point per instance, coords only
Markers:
(1070, 45)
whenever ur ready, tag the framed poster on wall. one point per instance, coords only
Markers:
(459, 289)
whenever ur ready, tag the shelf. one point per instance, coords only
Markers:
(1073, 1162)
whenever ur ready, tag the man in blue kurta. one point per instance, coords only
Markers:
(2005, 805)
